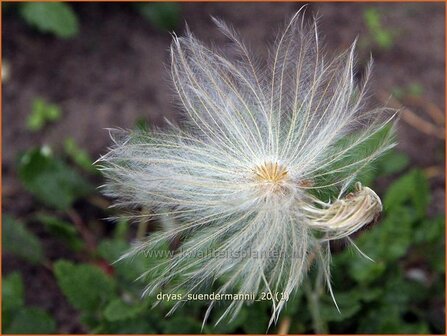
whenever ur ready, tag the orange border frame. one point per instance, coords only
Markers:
(248, 1)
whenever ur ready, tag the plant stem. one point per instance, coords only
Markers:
(284, 326)
(82, 228)
(313, 301)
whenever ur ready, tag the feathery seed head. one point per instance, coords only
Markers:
(262, 166)
(271, 172)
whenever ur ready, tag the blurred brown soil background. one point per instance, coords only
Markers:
(114, 73)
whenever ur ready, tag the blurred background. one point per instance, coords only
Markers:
(71, 70)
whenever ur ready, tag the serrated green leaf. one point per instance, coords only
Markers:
(118, 310)
(388, 241)
(112, 250)
(32, 321)
(412, 187)
(163, 15)
(18, 240)
(129, 270)
(86, 287)
(57, 18)
(399, 294)
(50, 180)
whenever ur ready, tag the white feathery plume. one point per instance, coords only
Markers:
(248, 171)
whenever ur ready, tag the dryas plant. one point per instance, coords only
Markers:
(247, 177)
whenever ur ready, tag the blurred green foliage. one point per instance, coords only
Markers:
(62, 230)
(57, 18)
(25, 244)
(397, 293)
(17, 318)
(400, 292)
(163, 15)
(50, 179)
(413, 90)
(42, 113)
(78, 155)
(395, 297)
(61, 20)
(378, 35)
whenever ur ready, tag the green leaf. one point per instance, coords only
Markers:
(62, 230)
(129, 270)
(430, 230)
(35, 121)
(349, 304)
(413, 188)
(257, 319)
(182, 325)
(50, 180)
(355, 151)
(86, 287)
(32, 321)
(140, 325)
(428, 236)
(57, 18)
(387, 314)
(18, 240)
(78, 155)
(163, 15)
(388, 241)
(380, 320)
(391, 163)
(42, 112)
(142, 125)
(118, 310)
(368, 294)
(12, 291)
(112, 250)
(372, 18)
(13, 296)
